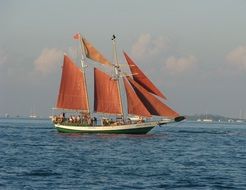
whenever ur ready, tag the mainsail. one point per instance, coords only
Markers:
(106, 94)
(152, 103)
(134, 104)
(72, 93)
(142, 79)
(92, 53)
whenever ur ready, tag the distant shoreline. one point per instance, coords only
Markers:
(214, 118)
(27, 118)
(205, 118)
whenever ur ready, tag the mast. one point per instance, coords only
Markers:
(117, 72)
(83, 65)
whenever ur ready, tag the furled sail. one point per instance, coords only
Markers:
(152, 103)
(72, 93)
(141, 78)
(134, 104)
(106, 94)
(94, 54)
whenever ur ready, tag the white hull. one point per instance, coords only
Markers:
(139, 128)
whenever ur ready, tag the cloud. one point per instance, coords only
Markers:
(237, 58)
(48, 60)
(146, 45)
(3, 57)
(159, 50)
(180, 65)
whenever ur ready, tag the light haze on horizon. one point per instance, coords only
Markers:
(193, 50)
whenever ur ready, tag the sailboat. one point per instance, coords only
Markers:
(33, 115)
(144, 101)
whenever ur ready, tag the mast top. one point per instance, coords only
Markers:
(113, 37)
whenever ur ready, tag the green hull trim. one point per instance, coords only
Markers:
(143, 130)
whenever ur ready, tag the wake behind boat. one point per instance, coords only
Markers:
(145, 106)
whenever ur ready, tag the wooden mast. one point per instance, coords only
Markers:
(83, 65)
(117, 72)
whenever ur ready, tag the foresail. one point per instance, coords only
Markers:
(72, 93)
(141, 78)
(152, 103)
(92, 53)
(106, 94)
(134, 104)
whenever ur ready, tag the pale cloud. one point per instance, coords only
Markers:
(3, 57)
(146, 45)
(180, 65)
(157, 49)
(237, 58)
(48, 60)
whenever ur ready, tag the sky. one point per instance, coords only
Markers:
(193, 50)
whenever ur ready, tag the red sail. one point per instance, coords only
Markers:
(134, 104)
(153, 104)
(106, 94)
(72, 93)
(94, 54)
(142, 79)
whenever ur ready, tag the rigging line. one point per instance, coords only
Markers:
(83, 65)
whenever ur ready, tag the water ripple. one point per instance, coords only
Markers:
(189, 156)
(40, 173)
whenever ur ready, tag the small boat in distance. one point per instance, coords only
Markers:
(145, 106)
(33, 114)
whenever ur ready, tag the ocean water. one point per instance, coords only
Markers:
(33, 155)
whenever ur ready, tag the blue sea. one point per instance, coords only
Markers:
(191, 155)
